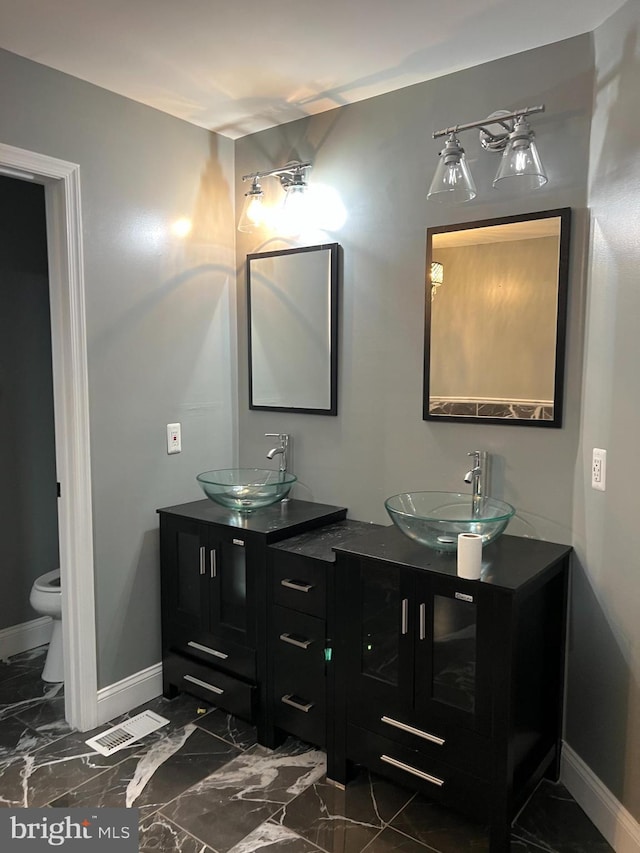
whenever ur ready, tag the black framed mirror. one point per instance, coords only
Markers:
(495, 320)
(292, 309)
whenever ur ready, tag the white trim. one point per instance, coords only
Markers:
(618, 826)
(27, 635)
(129, 693)
(71, 403)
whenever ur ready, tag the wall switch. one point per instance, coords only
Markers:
(174, 438)
(599, 469)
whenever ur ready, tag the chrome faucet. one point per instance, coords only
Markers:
(281, 449)
(478, 477)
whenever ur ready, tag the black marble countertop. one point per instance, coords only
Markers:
(511, 562)
(269, 519)
(320, 542)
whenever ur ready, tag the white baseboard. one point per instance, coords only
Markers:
(123, 696)
(21, 638)
(617, 825)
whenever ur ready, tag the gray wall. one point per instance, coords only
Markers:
(160, 319)
(28, 512)
(603, 723)
(379, 156)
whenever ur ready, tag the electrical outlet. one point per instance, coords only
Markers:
(174, 438)
(599, 469)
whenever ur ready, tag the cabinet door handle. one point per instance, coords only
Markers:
(299, 706)
(413, 770)
(202, 568)
(211, 687)
(299, 586)
(206, 649)
(213, 562)
(423, 621)
(301, 644)
(405, 615)
(412, 731)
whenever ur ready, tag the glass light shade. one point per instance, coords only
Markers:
(452, 180)
(252, 214)
(521, 161)
(295, 214)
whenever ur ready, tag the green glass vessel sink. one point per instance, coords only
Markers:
(436, 518)
(246, 489)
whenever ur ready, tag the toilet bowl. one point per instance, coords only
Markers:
(46, 599)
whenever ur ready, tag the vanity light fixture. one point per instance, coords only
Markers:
(437, 278)
(293, 180)
(502, 132)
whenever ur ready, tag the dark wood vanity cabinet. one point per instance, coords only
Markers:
(453, 687)
(214, 592)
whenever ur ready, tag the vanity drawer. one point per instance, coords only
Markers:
(435, 739)
(300, 715)
(222, 690)
(299, 582)
(222, 654)
(297, 643)
(437, 780)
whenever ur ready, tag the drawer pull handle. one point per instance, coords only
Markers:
(204, 684)
(412, 731)
(213, 560)
(423, 621)
(405, 616)
(299, 586)
(202, 568)
(413, 770)
(301, 644)
(206, 649)
(299, 706)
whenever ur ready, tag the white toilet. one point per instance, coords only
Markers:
(46, 599)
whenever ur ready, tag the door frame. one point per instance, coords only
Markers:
(61, 180)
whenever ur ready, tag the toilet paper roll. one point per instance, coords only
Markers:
(469, 555)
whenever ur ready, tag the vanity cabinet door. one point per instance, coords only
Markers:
(452, 657)
(229, 590)
(378, 642)
(184, 579)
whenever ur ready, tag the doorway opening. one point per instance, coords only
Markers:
(61, 182)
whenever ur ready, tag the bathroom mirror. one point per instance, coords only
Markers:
(292, 307)
(495, 318)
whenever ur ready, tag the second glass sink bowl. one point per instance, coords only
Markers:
(246, 489)
(436, 518)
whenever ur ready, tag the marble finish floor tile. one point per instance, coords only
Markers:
(24, 692)
(225, 807)
(148, 781)
(47, 718)
(440, 828)
(345, 821)
(271, 837)
(229, 728)
(553, 821)
(17, 738)
(390, 841)
(159, 835)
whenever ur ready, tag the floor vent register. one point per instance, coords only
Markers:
(126, 733)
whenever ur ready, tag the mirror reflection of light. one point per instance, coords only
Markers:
(181, 227)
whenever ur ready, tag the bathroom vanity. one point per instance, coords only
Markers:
(214, 588)
(451, 686)
(355, 638)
